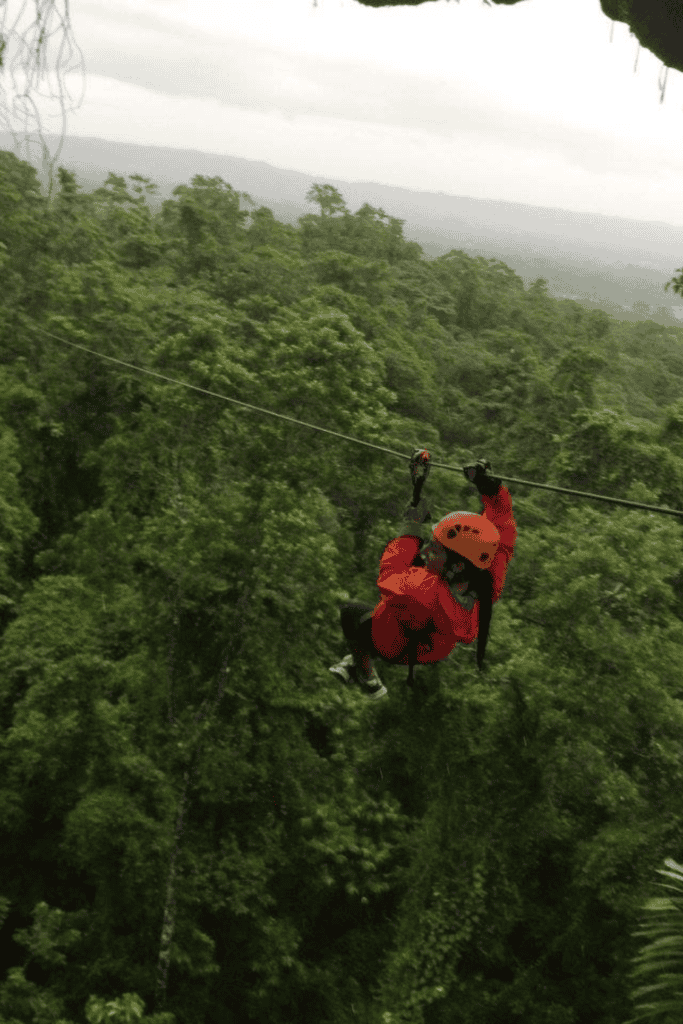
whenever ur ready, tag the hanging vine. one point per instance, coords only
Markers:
(37, 56)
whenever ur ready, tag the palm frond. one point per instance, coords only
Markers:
(660, 961)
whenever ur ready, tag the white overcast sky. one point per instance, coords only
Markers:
(528, 103)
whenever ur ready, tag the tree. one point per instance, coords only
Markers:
(369, 234)
(574, 376)
(203, 227)
(22, 216)
(178, 767)
(676, 282)
(265, 230)
(372, 234)
(327, 198)
(606, 451)
(17, 522)
(598, 323)
(127, 220)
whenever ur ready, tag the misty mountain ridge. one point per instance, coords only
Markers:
(599, 260)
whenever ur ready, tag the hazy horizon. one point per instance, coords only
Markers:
(528, 104)
(7, 142)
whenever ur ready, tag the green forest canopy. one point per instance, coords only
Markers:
(194, 817)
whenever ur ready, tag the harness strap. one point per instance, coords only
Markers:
(412, 648)
(412, 658)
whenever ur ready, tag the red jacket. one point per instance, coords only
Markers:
(418, 599)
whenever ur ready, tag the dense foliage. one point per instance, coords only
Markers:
(195, 818)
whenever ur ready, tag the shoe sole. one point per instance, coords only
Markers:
(341, 672)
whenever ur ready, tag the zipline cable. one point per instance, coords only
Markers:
(214, 394)
(354, 440)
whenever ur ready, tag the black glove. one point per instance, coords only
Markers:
(418, 514)
(479, 476)
(414, 517)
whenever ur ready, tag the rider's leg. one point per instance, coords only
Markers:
(356, 623)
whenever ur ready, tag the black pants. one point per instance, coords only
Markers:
(358, 634)
(356, 623)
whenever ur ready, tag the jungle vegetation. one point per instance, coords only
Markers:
(197, 822)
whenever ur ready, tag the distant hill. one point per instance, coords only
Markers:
(612, 262)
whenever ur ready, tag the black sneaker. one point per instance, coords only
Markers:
(344, 669)
(372, 687)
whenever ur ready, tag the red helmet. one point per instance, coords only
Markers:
(470, 535)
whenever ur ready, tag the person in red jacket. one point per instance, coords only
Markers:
(433, 596)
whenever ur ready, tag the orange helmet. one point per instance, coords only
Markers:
(470, 535)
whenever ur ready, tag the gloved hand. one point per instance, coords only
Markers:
(479, 476)
(419, 514)
(414, 517)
